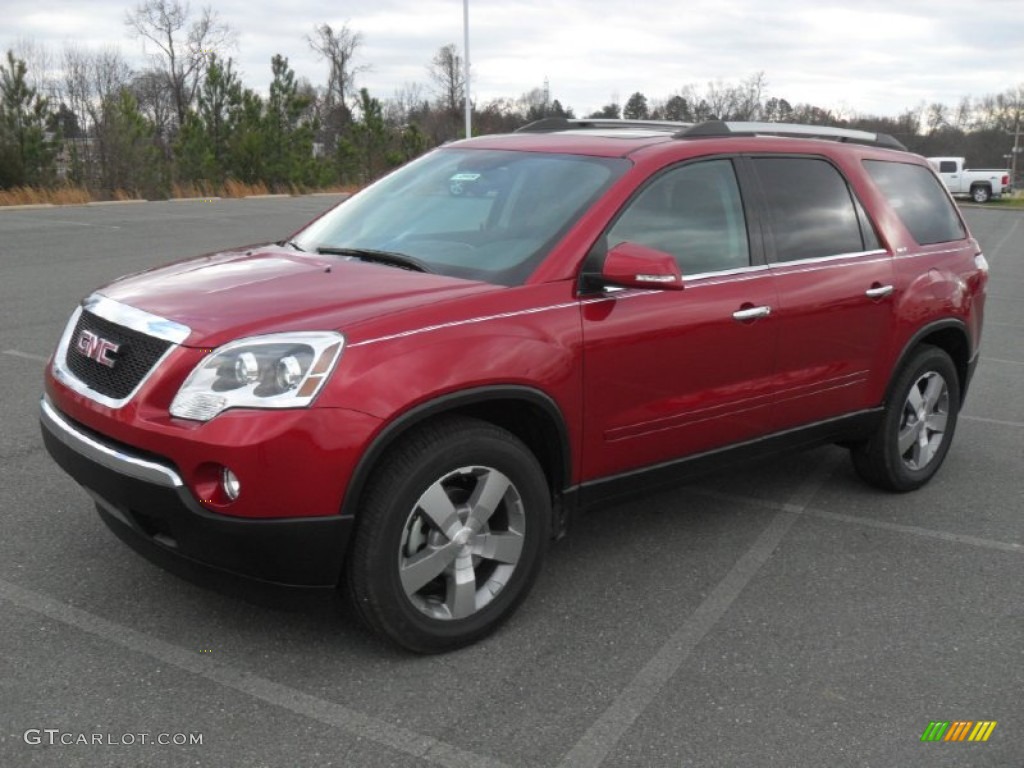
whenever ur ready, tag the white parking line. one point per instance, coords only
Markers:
(25, 355)
(997, 251)
(601, 738)
(1002, 360)
(1000, 422)
(930, 533)
(355, 723)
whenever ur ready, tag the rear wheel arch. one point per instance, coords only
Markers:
(529, 414)
(949, 335)
(981, 192)
(914, 435)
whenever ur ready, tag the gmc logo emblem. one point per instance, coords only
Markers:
(97, 348)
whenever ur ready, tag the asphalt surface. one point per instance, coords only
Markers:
(780, 615)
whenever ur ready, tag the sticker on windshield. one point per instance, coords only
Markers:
(457, 183)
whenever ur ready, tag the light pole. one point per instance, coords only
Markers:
(1015, 159)
(465, 30)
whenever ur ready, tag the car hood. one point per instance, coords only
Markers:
(267, 289)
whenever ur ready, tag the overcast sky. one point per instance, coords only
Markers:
(865, 56)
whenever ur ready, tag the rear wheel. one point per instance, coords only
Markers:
(917, 428)
(981, 194)
(450, 536)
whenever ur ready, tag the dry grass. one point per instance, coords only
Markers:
(55, 196)
(350, 189)
(68, 195)
(122, 195)
(192, 189)
(232, 188)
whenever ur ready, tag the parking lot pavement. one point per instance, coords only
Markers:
(780, 615)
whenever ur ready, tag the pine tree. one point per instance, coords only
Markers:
(288, 136)
(27, 151)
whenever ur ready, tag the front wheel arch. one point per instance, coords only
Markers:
(530, 414)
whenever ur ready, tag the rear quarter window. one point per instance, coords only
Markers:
(919, 200)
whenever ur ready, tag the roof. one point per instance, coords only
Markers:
(619, 138)
(610, 143)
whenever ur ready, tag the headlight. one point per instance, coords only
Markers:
(282, 370)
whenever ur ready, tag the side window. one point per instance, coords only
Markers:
(810, 207)
(919, 199)
(947, 166)
(693, 212)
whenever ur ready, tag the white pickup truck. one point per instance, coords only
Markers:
(980, 185)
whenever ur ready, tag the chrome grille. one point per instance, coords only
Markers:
(136, 355)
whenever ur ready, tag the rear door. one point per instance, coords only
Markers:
(673, 373)
(835, 289)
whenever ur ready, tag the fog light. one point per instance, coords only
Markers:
(231, 485)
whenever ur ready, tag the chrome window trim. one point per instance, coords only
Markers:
(826, 259)
(725, 273)
(903, 254)
(105, 455)
(121, 314)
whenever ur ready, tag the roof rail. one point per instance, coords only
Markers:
(718, 128)
(554, 124)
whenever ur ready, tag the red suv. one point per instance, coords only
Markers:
(412, 394)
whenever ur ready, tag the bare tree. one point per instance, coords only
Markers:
(76, 89)
(447, 73)
(404, 103)
(748, 98)
(937, 117)
(40, 68)
(88, 80)
(337, 48)
(155, 102)
(183, 46)
(109, 73)
(964, 114)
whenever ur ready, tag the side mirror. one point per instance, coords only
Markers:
(631, 265)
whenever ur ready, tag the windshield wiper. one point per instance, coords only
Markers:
(381, 257)
(292, 244)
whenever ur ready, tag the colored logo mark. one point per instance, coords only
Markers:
(958, 730)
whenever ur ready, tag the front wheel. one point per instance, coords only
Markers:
(917, 428)
(450, 536)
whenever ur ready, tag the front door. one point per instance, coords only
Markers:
(675, 373)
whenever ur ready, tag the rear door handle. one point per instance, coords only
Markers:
(878, 291)
(753, 313)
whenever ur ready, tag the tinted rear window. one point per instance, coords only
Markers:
(919, 199)
(812, 211)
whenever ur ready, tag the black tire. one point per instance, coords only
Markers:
(981, 194)
(926, 384)
(440, 470)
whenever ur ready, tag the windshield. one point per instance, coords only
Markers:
(479, 214)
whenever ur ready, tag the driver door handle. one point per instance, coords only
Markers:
(878, 291)
(752, 313)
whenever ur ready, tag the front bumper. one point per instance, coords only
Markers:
(146, 503)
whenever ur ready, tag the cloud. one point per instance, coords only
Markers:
(875, 56)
